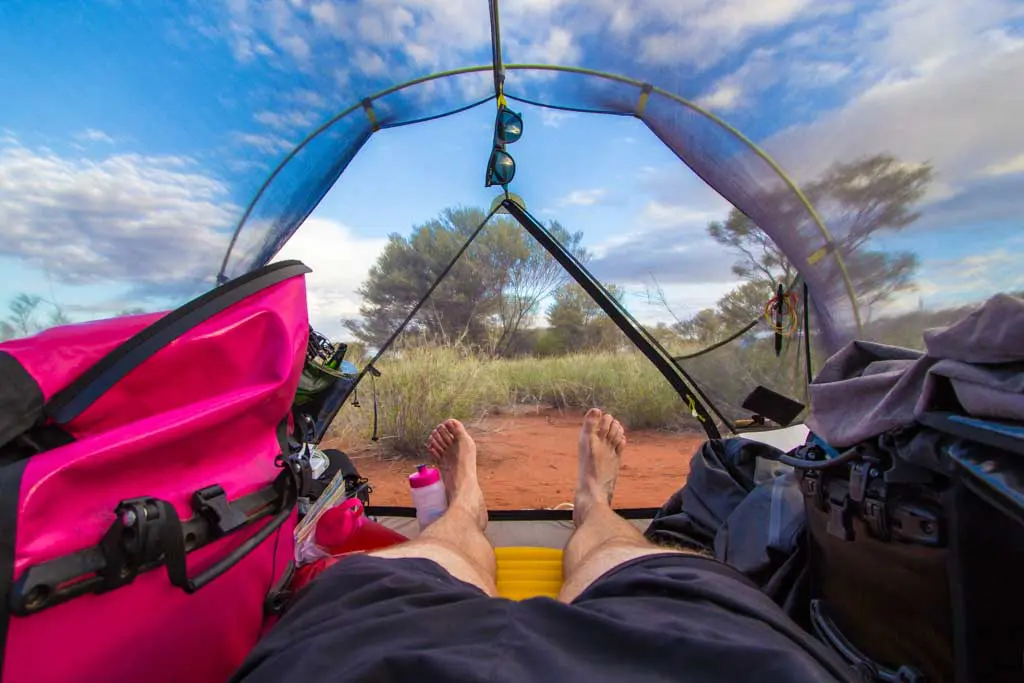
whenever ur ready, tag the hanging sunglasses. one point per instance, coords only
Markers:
(508, 128)
(501, 168)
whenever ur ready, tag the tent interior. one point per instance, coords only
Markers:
(741, 195)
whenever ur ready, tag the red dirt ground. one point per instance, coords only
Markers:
(528, 461)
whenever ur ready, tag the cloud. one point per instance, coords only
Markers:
(1009, 167)
(151, 221)
(584, 197)
(702, 33)
(554, 118)
(266, 143)
(93, 135)
(725, 96)
(659, 214)
(943, 88)
(370, 63)
(340, 260)
(668, 241)
(669, 256)
(286, 120)
(973, 278)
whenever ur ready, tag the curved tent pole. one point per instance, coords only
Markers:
(316, 132)
(735, 132)
(645, 88)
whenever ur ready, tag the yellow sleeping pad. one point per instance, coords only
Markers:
(529, 572)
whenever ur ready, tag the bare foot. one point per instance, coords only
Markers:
(601, 442)
(455, 453)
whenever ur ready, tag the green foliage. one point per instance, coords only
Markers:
(577, 323)
(489, 294)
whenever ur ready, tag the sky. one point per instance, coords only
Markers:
(134, 135)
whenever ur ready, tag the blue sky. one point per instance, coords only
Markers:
(133, 134)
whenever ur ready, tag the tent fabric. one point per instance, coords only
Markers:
(728, 161)
(867, 389)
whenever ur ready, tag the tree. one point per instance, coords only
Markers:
(488, 295)
(860, 198)
(531, 274)
(731, 313)
(577, 323)
(23, 314)
(58, 316)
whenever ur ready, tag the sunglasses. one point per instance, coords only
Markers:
(508, 128)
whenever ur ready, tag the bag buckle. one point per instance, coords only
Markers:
(212, 504)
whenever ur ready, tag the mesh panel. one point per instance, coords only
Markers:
(729, 373)
(732, 168)
(572, 90)
(295, 191)
(434, 98)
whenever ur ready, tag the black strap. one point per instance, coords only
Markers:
(647, 344)
(373, 385)
(21, 399)
(807, 335)
(71, 401)
(147, 534)
(10, 496)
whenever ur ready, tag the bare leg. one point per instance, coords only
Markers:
(456, 541)
(602, 539)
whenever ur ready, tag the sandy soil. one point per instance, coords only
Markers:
(528, 460)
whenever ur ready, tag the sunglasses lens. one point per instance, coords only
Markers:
(509, 127)
(501, 168)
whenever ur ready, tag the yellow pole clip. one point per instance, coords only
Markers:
(692, 404)
(371, 114)
(641, 103)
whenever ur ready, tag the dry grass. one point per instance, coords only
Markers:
(423, 386)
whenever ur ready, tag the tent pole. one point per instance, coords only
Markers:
(499, 68)
(676, 376)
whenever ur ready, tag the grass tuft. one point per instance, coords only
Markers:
(420, 387)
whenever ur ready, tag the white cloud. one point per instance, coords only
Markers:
(960, 118)
(723, 97)
(554, 118)
(558, 47)
(268, 144)
(93, 135)
(370, 63)
(1009, 167)
(584, 197)
(701, 32)
(286, 120)
(309, 98)
(945, 283)
(296, 46)
(152, 221)
(660, 214)
(340, 261)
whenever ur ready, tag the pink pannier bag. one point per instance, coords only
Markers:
(147, 489)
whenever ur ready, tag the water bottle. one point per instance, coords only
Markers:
(428, 495)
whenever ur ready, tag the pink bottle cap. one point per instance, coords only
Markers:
(425, 475)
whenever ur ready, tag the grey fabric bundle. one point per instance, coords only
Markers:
(867, 389)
